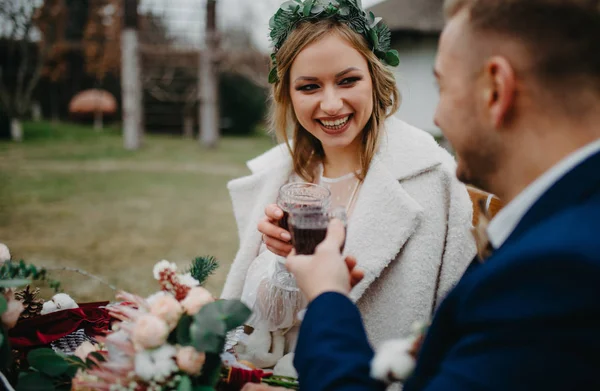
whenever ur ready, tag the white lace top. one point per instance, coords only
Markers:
(268, 289)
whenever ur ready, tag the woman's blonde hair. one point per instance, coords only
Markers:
(307, 150)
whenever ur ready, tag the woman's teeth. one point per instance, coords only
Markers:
(334, 125)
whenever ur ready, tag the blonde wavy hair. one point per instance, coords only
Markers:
(306, 150)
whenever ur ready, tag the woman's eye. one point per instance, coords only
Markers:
(308, 87)
(349, 80)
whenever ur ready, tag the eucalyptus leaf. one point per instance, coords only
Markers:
(317, 9)
(16, 283)
(35, 381)
(371, 18)
(208, 333)
(233, 312)
(185, 384)
(203, 388)
(374, 38)
(392, 57)
(308, 7)
(376, 22)
(47, 361)
(3, 304)
(289, 6)
(183, 333)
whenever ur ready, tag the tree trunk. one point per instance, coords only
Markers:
(208, 82)
(98, 121)
(188, 124)
(16, 129)
(36, 111)
(131, 83)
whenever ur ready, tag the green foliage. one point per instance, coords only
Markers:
(213, 321)
(203, 267)
(242, 104)
(48, 371)
(16, 274)
(349, 12)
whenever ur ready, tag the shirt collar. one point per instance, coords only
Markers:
(509, 217)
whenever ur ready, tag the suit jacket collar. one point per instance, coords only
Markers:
(576, 186)
(385, 215)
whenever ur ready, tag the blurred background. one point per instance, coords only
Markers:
(121, 122)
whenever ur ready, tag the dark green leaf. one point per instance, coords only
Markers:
(273, 76)
(183, 332)
(374, 38)
(203, 388)
(233, 312)
(47, 361)
(14, 283)
(308, 7)
(208, 334)
(371, 18)
(185, 384)
(1, 339)
(35, 381)
(392, 57)
(3, 304)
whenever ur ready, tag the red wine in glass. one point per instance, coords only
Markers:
(302, 196)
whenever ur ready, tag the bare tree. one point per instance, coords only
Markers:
(32, 29)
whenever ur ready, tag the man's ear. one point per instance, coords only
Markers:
(498, 89)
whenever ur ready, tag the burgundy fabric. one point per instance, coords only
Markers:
(44, 329)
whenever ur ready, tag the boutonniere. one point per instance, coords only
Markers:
(395, 360)
(482, 241)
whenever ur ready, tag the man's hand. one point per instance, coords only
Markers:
(261, 387)
(326, 270)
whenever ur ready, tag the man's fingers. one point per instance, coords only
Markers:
(356, 276)
(266, 227)
(351, 262)
(336, 235)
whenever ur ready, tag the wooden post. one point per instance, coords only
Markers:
(208, 81)
(131, 85)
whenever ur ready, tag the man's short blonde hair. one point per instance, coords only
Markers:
(563, 36)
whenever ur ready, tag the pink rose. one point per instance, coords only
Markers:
(190, 360)
(150, 331)
(168, 309)
(85, 349)
(196, 298)
(14, 308)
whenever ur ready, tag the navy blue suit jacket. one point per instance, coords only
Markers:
(526, 319)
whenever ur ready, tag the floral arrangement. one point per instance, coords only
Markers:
(395, 360)
(349, 12)
(171, 340)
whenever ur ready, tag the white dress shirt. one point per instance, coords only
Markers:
(505, 222)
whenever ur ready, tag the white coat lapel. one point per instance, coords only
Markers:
(384, 218)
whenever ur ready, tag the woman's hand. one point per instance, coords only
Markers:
(277, 239)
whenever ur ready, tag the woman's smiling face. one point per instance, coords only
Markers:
(332, 92)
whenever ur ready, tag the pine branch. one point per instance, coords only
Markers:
(203, 267)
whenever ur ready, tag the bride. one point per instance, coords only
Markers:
(409, 218)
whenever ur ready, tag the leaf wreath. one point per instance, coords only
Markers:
(349, 12)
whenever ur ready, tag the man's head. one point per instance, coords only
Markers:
(509, 68)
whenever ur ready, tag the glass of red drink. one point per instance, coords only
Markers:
(302, 196)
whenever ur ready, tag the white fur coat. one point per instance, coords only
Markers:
(410, 229)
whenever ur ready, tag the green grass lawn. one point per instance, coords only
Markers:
(70, 196)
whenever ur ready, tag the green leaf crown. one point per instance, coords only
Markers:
(349, 12)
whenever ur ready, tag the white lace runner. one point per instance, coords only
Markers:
(269, 290)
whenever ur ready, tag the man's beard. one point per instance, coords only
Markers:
(478, 164)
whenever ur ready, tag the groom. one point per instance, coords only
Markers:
(520, 102)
